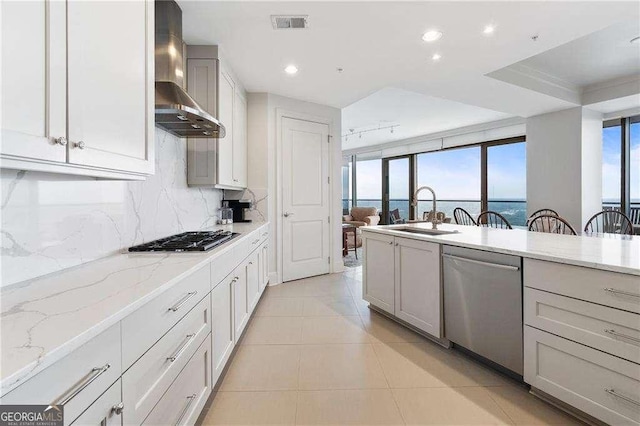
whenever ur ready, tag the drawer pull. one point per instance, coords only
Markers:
(256, 241)
(181, 349)
(71, 393)
(190, 400)
(182, 301)
(118, 408)
(480, 262)
(622, 397)
(623, 336)
(622, 292)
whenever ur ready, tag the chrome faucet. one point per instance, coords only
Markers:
(414, 204)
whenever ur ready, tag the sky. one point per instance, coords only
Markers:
(611, 163)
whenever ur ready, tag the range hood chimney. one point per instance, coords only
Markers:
(176, 111)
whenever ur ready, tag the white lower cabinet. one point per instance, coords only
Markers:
(221, 325)
(185, 398)
(378, 271)
(253, 280)
(418, 285)
(240, 302)
(402, 276)
(147, 380)
(105, 411)
(601, 385)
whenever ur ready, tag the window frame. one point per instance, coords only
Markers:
(625, 157)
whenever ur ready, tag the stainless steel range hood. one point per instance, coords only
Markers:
(176, 111)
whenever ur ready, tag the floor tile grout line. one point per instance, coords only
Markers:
(375, 354)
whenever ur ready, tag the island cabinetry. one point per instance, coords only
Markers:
(582, 338)
(403, 277)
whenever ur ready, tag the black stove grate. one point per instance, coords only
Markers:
(187, 241)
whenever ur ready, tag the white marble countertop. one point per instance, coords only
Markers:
(45, 318)
(607, 251)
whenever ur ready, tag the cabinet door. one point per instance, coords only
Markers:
(418, 289)
(34, 81)
(378, 275)
(240, 302)
(239, 140)
(105, 411)
(264, 267)
(111, 88)
(253, 280)
(225, 145)
(221, 326)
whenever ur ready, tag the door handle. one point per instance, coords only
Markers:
(287, 214)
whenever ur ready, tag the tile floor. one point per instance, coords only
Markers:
(315, 354)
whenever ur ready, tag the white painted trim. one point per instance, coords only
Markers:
(619, 114)
(280, 115)
(475, 128)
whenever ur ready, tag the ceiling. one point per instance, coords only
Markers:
(388, 74)
(414, 113)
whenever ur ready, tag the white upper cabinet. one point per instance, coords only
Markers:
(34, 80)
(226, 144)
(221, 163)
(82, 73)
(109, 66)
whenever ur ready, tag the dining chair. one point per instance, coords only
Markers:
(428, 216)
(394, 217)
(491, 219)
(609, 222)
(551, 224)
(541, 212)
(462, 217)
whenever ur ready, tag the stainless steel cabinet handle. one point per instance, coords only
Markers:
(181, 349)
(622, 397)
(622, 292)
(390, 243)
(80, 145)
(90, 378)
(479, 262)
(623, 336)
(256, 241)
(61, 141)
(190, 400)
(182, 301)
(118, 409)
(250, 263)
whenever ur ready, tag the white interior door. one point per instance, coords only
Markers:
(305, 199)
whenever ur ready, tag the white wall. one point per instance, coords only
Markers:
(564, 163)
(54, 221)
(262, 135)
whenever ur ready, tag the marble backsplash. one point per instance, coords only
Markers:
(51, 221)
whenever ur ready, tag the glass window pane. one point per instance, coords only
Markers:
(634, 165)
(369, 183)
(507, 181)
(347, 187)
(611, 157)
(399, 187)
(454, 175)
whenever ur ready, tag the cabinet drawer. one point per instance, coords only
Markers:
(604, 386)
(254, 241)
(144, 327)
(147, 380)
(183, 401)
(605, 288)
(610, 330)
(264, 234)
(76, 380)
(106, 411)
(223, 265)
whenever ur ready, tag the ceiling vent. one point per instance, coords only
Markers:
(289, 22)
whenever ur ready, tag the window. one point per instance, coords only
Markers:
(455, 176)
(347, 184)
(621, 164)
(611, 157)
(369, 183)
(507, 181)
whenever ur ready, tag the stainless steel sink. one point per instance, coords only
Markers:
(424, 231)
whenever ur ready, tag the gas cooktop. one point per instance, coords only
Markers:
(187, 241)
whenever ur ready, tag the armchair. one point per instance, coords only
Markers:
(362, 216)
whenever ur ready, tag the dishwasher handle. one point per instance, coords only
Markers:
(480, 262)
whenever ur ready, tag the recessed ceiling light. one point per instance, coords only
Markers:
(291, 69)
(432, 35)
(489, 29)
(436, 57)
(635, 40)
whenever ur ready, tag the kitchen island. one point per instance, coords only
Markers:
(570, 322)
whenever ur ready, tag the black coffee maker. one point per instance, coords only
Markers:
(239, 208)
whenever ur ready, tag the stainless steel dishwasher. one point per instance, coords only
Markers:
(483, 304)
